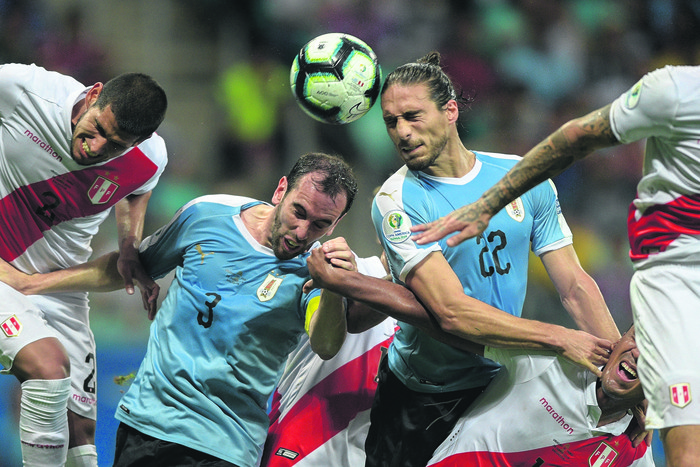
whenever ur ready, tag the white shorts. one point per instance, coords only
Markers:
(25, 319)
(666, 305)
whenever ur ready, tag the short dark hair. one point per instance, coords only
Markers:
(337, 175)
(428, 70)
(137, 101)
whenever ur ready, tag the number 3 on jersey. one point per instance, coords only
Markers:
(206, 321)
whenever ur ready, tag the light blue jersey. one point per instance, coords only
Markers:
(232, 314)
(492, 267)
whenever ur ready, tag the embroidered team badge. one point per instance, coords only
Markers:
(269, 287)
(516, 210)
(11, 327)
(396, 227)
(603, 456)
(680, 394)
(102, 190)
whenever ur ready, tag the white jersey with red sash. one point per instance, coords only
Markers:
(50, 206)
(664, 108)
(320, 410)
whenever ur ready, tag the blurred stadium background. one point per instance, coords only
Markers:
(234, 127)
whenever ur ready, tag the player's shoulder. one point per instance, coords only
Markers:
(155, 149)
(34, 77)
(216, 205)
(390, 193)
(497, 160)
(51, 87)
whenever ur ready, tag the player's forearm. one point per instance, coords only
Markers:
(99, 275)
(370, 295)
(572, 141)
(328, 326)
(130, 214)
(587, 307)
(381, 295)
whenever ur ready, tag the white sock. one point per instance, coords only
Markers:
(82, 456)
(43, 422)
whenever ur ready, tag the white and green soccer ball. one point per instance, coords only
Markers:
(336, 78)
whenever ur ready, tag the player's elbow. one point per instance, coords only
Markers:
(327, 351)
(449, 319)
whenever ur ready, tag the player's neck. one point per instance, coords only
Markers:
(612, 409)
(455, 162)
(258, 221)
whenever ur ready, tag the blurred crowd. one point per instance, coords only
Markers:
(530, 65)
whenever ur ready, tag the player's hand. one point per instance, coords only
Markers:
(585, 350)
(321, 270)
(132, 271)
(635, 430)
(470, 220)
(339, 254)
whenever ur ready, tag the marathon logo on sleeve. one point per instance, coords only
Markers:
(396, 227)
(11, 327)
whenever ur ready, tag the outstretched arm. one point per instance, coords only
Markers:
(98, 275)
(572, 141)
(439, 289)
(373, 299)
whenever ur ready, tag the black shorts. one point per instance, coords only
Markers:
(135, 449)
(407, 426)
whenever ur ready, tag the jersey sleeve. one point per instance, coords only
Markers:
(550, 231)
(646, 109)
(164, 250)
(392, 222)
(11, 75)
(154, 148)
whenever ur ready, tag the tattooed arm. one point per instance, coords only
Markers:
(572, 141)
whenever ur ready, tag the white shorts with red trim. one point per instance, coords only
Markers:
(666, 306)
(24, 320)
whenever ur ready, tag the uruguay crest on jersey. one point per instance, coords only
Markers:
(269, 287)
(516, 210)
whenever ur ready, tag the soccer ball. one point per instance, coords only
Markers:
(336, 78)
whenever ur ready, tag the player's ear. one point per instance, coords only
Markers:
(93, 94)
(452, 110)
(280, 191)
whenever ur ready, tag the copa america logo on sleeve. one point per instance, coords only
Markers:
(396, 227)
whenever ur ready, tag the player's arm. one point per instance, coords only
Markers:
(438, 288)
(572, 141)
(328, 325)
(130, 213)
(99, 275)
(373, 299)
(579, 293)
